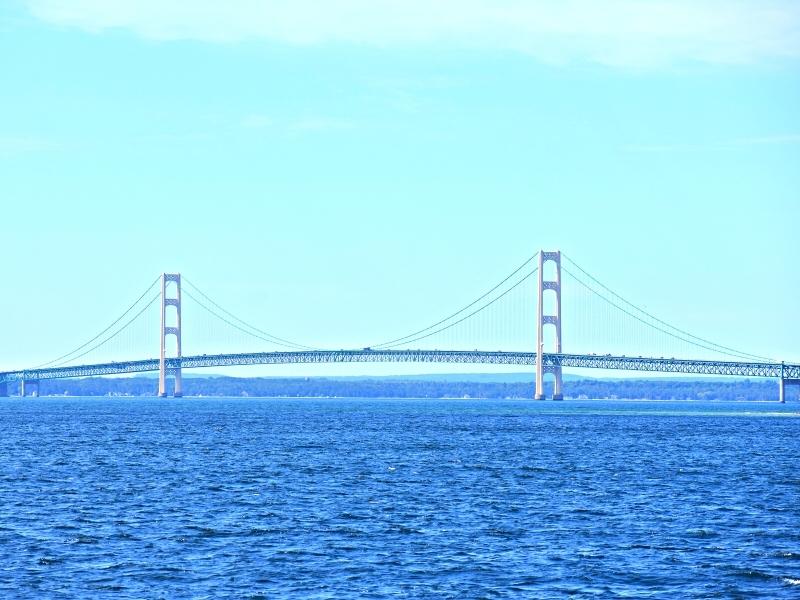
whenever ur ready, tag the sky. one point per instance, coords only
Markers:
(343, 171)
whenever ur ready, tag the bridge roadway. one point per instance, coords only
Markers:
(788, 372)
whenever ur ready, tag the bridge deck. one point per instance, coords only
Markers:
(587, 361)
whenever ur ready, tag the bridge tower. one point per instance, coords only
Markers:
(174, 329)
(543, 319)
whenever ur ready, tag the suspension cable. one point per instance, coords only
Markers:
(681, 331)
(275, 339)
(242, 329)
(113, 335)
(398, 341)
(82, 346)
(472, 314)
(664, 331)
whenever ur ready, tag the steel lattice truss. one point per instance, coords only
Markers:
(589, 361)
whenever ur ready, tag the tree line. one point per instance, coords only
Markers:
(318, 387)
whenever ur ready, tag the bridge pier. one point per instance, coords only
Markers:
(4, 389)
(782, 390)
(783, 382)
(29, 387)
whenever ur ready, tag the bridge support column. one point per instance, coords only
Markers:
(3, 389)
(542, 320)
(784, 384)
(29, 387)
(169, 366)
(782, 391)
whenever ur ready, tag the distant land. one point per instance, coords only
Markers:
(489, 386)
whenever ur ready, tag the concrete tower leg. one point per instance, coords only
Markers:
(170, 366)
(542, 319)
(540, 332)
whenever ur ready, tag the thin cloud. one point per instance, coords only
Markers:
(664, 148)
(309, 124)
(256, 122)
(11, 145)
(767, 140)
(320, 124)
(788, 138)
(613, 32)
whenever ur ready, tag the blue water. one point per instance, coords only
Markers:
(146, 498)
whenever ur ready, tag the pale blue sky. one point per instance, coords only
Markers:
(343, 172)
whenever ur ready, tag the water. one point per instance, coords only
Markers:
(133, 498)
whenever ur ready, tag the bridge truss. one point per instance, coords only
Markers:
(788, 373)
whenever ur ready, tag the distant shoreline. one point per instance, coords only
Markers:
(662, 389)
(390, 398)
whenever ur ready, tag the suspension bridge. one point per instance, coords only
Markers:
(526, 310)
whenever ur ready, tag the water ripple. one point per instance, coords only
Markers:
(385, 499)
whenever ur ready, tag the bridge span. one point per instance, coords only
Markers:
(548, 358)
(786, 373)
